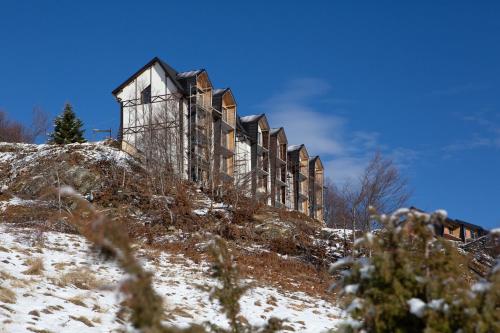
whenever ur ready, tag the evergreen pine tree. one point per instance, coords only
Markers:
(67, 128)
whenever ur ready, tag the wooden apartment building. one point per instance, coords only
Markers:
(458, 230)
(197, 128)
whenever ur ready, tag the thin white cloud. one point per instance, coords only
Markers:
(345, 153)
(486, 134)
(346, 168)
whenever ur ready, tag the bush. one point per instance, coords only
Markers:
(414, 282)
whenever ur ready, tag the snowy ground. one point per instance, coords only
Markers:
(74, 291)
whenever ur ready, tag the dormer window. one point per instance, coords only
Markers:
(146, 95)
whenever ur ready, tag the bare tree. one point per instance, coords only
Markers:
(160, 144)
(381, 186)
(39, 123)
(13, 131)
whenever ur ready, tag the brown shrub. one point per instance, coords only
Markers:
(7, 296)
(284, 245)
(82, 278)
(83, 319)
(289, 274)
(35, 266)
(183, 202)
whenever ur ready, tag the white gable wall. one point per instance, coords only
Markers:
(161, 112)
(243, 162)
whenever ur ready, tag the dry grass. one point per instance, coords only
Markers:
(7, 296)
(267, 268)
(77, 300)
(35, 266)
(84, 320)
(288, 274)
(37, 330)
(6, 276)
(82, 278)
(34, 313)
(4, 249)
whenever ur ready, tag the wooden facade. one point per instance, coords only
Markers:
(278, 162)
(458, 230)
(298, 164)
(316, 188)
(224, 133)
(257, 128)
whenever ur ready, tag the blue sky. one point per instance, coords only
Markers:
(419, 81)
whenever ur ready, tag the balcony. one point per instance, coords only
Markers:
(226, 147)
(261, 149)
(262, 172)
(228, 117)
(226, 127)
(280, 182)
(204, 102)
(303, 196)
(279, 205)
(279, 161)
(226, 152)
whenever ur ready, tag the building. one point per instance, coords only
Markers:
(224, 134)
(316, 188)
(298, 166)
(153, 101)
(457, 230)
(257, 128)
(278, 146)
(243, 158)
(182, 119)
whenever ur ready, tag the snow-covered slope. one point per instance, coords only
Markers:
(74, 291)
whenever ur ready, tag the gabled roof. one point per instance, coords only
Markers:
(240, 128)
(469, 225)
(251, 118)
(220, 92)
(315, 159)
(255, 118)
(188, 74)
(454, 221)
(277, 131)
(295, 147)
(171, 73)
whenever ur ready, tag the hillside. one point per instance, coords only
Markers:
(73, 290)
(284, 254)
(52, 279)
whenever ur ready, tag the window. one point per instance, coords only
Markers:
(146, 95)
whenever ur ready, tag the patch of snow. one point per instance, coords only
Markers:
(352, 323)
(417, 307)
(175, 278)
(355, 304)
(442, 213)
(15, 201)
(438, 304)
(351, 288)
(341, 263)
(495, 231)
(19, 157)
(366, 271)
(337, 232)
(481, 287)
